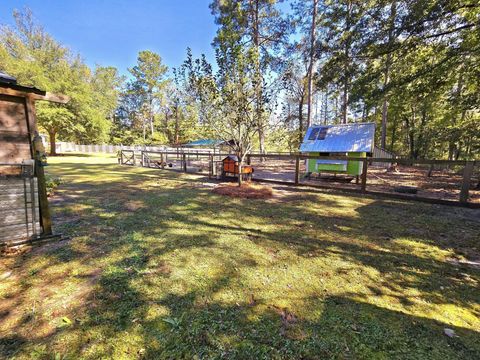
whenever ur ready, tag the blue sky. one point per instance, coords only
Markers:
(112, 32)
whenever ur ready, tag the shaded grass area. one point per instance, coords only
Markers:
(158, 266)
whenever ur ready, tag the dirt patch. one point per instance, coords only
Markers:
(134, 205)
(246, 191)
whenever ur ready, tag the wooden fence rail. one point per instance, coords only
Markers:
(128, 157)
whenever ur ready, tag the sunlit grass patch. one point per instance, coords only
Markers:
(157, 266)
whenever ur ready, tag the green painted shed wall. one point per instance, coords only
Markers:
(353, 167)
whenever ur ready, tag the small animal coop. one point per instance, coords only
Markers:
(230, 168)
(24, 213)
(348, 140)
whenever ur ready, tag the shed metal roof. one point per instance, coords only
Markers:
(356, 137)
(231, 157)
(7, 81)
(204, 142)
(5, 78)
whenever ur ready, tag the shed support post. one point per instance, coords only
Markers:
(364, 175)
(184, 162)
(43, 200)
(297, 169)
(467, 176)
(45, 217)
(249, 159)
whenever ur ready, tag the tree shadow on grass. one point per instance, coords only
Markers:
(131, 248)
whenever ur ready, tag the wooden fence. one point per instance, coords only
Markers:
(182, 161)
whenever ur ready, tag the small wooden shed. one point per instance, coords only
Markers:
(230, 167)
(24, 212)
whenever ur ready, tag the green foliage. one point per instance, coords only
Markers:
(412, 66)
(36, 59)
(52, 183)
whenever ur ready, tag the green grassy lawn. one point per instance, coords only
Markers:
(156, 266)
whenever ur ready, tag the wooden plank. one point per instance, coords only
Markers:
(10, 202)
(14, 134)
(210, 166)
(17, 231)
(16, 216)
(45, 217)
(467, 176)
(56, 98)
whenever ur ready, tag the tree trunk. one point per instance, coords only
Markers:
(311, 63)
(240, 171)
(388, 60)
(53, 147)
(410, 133)
(393, 139)
(144, 131)
(346, 71)
(325, 114)
(255, 8)
(300, 118)
(384, 123)
(177, 126)
(345, 101)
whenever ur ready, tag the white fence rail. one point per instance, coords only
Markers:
(65, 147)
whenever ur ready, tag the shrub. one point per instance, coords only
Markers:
(52, 183)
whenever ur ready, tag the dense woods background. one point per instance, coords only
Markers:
(412, 67)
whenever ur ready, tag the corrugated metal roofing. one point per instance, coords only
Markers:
(205, 142)
(9, 82)
(357, 137)
(5, 78)
(231, 157)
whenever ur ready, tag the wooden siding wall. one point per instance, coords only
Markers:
(18, 222)
(14, 134)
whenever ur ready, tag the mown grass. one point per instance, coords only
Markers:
(157, 266)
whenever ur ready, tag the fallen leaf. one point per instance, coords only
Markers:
(449, 332)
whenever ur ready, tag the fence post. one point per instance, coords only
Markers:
(249, 159)
(184, 160)
(121, 157)
(210, 166)
(467, 176)
(297, 169)
(364, 174)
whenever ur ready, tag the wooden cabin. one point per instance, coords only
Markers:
(230, 168)
(24, 213)
(354, 140)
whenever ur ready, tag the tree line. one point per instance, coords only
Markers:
(411, 67)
